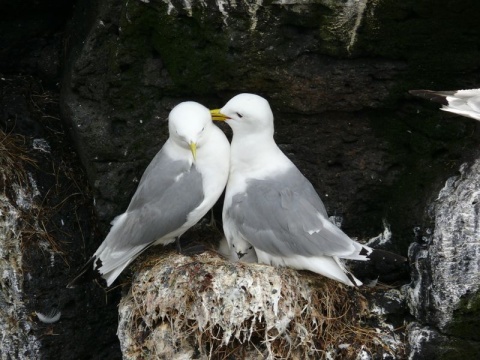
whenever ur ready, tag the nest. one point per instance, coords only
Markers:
(204, 307)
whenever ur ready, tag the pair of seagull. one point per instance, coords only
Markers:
(271, 211)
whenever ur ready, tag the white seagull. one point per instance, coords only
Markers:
(270, 207)
(179, 186)
(461, 102)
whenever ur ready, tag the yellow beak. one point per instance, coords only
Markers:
(217, 115)
(193, 149)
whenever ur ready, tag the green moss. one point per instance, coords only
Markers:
(466, 319)
(193, 48)
(455, 349)
(196, 58)
(201, 54)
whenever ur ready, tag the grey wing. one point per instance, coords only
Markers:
(161, 204)
(158, 177)
(306, 190)
(285, 216)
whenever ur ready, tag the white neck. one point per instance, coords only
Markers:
(178, 152)
(254, 154)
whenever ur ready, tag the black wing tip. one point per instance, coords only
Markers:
(438, 97)
(352, 279)
(364, 252)
(86, 273)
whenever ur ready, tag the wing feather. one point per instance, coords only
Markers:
(285, 216)
(168, 192)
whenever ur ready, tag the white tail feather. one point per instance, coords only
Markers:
(328, 266)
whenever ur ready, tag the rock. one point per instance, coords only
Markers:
(336, 81)
(337, 76)
(47, 230)
(428, 343)
(17, 196)
(446, 277)
(387, 316)
(100, 97)
(31, 40)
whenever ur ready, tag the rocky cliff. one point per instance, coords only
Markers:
(101, 76)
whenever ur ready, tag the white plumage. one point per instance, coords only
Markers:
(179, 186)
(271, 207)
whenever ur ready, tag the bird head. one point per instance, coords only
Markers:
(189, 122)
(247, 113)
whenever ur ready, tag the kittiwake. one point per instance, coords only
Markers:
(461, 102)
(179, 186)
(269, 204)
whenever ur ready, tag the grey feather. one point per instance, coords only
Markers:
(167, 193)
(279, 216)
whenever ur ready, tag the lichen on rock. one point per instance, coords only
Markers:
(17, 196)
(454, 249)
(437, 296)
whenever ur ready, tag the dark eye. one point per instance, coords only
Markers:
(203, 128)
(239, 115)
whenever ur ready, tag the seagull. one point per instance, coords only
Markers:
(270, 207)
(179, 186)
(461, 102)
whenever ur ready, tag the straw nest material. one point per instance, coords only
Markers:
(204, 307)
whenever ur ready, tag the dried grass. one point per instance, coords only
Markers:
(19, 186)
(14, 157)
(204, 307)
